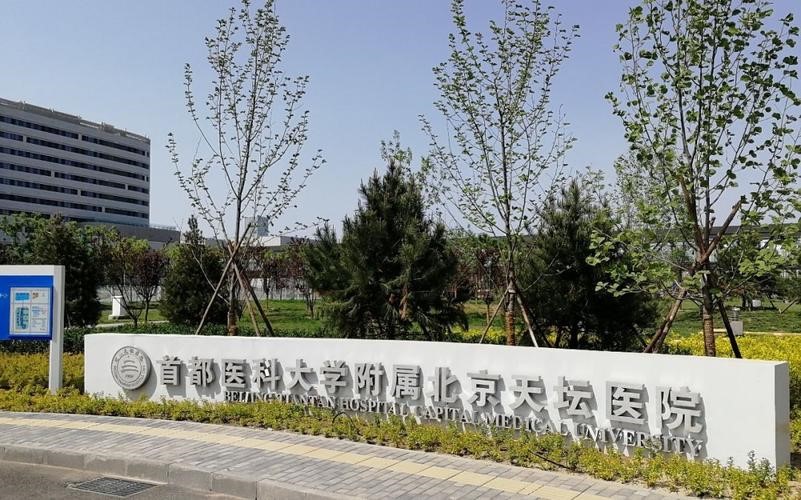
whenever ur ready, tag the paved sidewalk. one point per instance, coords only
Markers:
(258, 463)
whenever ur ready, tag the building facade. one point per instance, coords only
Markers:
(52, 162)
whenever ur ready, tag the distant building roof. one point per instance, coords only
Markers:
(105, 127)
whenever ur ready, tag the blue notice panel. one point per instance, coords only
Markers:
(26, 307)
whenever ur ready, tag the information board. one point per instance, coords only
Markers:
(30, 312)
(26, 307)
(32, 308)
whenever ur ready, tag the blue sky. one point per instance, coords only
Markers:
(369, 62)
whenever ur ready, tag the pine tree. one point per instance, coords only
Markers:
(189, 284)
(389, 276)
(561, 285)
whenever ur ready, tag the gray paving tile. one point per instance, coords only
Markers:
(322, 475)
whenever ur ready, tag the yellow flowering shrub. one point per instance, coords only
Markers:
(767, 347)
(18, 371)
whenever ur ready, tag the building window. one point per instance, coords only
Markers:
(50, 203)
(138, 189)
(9, 135)
(115, 145)
(36, 185)
(36, 126)
(27, 170)
(86, 152)
(122, 199)
(88, 180)
(129, 213)
(62, 161)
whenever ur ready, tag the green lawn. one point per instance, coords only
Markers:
(291, 315)
(153, 315)
(688, 322)
(286, 315)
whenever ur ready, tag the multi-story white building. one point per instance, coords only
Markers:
(52, 162)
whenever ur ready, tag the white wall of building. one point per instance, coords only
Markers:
(113, 190)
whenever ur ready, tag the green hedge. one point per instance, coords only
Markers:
(23, 379)
(708, 478)
(26, 371)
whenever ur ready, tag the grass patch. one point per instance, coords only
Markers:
(153, 315)
(292, 316)
(688, 321)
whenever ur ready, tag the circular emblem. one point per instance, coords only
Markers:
(130, 367)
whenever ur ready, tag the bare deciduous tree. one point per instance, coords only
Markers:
(253, 129)
(505, 145)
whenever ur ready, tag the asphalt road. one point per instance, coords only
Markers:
(24, 481)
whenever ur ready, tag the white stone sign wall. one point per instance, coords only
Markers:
(698, 407)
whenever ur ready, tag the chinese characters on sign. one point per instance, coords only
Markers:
(403, 389)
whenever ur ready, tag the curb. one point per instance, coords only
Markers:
(174, 473)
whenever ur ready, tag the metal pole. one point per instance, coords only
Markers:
(57, 339)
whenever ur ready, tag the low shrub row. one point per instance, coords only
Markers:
(73, 343)
(23, 379)
(26, 371)
(767, 347)
(708, 478)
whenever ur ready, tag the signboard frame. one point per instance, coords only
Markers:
(32, 278)
(14, 292)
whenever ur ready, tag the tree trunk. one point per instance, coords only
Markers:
(703, 261)
(735, 349)
(510, 315)
(527, 319)
(309, 296)
(233, 317)
(707, 308)
(492, 318)
(788, 306)
(724, 316)
(659, 338)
